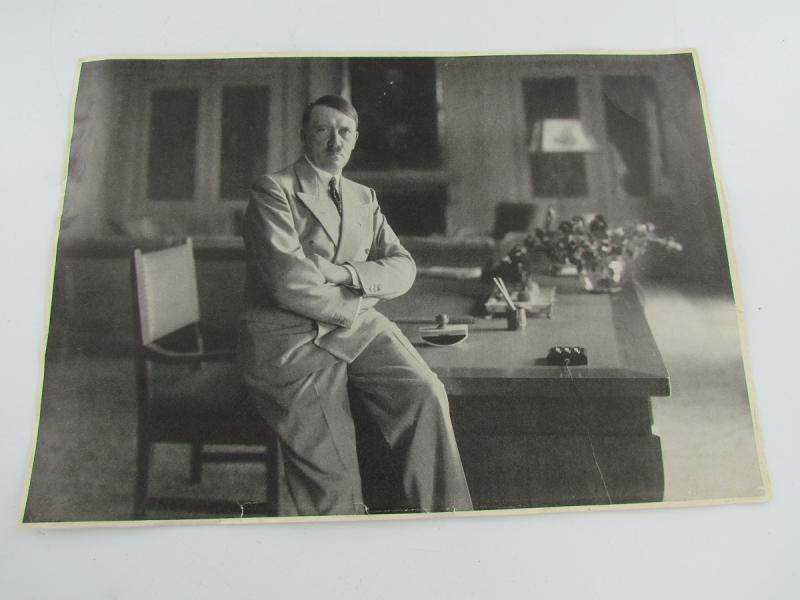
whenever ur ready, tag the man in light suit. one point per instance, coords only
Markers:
(320, 255)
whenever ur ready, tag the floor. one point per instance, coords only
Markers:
(705, 426)
(84, 467)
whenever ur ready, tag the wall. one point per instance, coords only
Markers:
(484, 146)
(689, 204)
(105, 195)
(96, 116)
(485, 152)
(482, 141)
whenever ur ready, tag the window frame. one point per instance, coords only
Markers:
(207, 207)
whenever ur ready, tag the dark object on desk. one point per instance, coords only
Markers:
(451, 321)
(517, 319)
(445, 333)
(567, 356)
(447, 336)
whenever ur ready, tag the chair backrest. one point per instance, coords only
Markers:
(513, 217)
(165, 290)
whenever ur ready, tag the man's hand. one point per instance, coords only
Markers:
(332, 273)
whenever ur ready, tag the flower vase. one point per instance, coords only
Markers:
(605, 278)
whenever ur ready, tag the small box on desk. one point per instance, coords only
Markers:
(567, 356)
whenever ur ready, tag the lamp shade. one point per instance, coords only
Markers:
(560, 135)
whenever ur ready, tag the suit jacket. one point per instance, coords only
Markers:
(293, 321)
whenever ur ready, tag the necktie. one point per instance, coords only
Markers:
(334, 194)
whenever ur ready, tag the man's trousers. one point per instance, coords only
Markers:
(314, 423)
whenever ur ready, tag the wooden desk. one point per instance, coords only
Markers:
(533, 435)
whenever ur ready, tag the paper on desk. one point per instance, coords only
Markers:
(450, 272)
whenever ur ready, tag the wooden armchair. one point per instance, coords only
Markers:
(204, 403)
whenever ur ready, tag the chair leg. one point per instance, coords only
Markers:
(144, 451)
(196, 466)
(273, 464)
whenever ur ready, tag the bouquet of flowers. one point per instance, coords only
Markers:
(588, 246)
(594, 248)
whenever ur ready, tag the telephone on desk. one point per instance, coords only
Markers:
(567, 356)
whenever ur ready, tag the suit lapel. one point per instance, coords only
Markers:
(316, 199)
(352, 222)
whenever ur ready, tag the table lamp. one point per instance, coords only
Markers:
(560, 136)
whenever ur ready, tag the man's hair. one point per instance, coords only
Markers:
(336, 102)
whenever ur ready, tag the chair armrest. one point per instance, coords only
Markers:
(158, 353)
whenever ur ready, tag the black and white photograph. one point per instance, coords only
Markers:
(258, 267)
(371, 286)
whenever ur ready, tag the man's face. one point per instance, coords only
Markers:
(329, 138)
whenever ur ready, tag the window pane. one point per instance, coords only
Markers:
(173, 139)
(396, 103)
(560, 175)
(245, 115)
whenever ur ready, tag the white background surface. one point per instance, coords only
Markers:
(748, 52)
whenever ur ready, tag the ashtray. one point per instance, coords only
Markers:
(444, 335)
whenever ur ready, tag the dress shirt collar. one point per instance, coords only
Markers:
(324, 176)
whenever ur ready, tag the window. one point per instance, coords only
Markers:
(398, 113)
(398, 145)
(206, 144)
(560, 175)
(199, 133)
